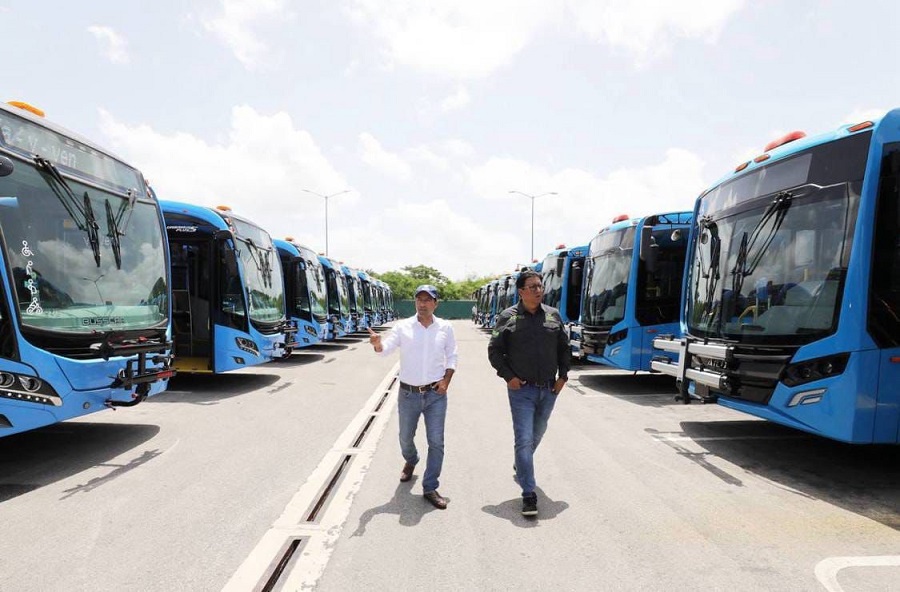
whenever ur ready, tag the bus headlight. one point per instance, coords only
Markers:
(30, 383)
(810, 370)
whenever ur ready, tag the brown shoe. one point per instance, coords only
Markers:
(435, 499)
(406, 473)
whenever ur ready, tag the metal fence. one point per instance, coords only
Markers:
(447, 309)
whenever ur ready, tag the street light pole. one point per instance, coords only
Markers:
(325, 197)
(532, 198)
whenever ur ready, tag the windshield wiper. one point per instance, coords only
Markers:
(260, 257)
(114, 227)
(86, 222)
(113, 232)
(710, 272)
(774, 212)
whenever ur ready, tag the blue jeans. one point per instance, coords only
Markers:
(434, 407)
(531, 407)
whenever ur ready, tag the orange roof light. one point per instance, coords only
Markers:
(561, 246)
(741, 167)
(860, 126)
(795, 135)
(224, 208)
(27, 107)
(289, 239)
(620, 218)
(761, 158)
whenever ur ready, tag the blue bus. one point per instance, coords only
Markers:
(355, 299)
(305, 294)
(368, 309)
(84, 285)
(227, 290)
(337, 298)
(632, 288)
(791, 305)
(562, 272)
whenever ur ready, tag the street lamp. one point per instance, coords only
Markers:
(325, 197)
(532, 198)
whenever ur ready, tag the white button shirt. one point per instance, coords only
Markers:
(425, 353)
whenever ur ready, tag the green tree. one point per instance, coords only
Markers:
(404, 282)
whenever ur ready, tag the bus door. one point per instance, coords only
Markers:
(231, 343)
(191, 296)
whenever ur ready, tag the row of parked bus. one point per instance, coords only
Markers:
(107, 291)
(777, 295)
(240, 298)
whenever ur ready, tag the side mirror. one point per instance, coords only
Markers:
(649, 248)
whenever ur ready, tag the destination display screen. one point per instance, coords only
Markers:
(28, 139)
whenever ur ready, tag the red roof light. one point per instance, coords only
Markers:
(796, 135)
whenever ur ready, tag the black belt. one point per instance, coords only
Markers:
(419, 389)
(544, 384)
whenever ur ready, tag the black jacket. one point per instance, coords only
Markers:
(532, 347)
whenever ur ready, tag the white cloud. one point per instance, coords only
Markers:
(438, 234)
(387, 163)
(456, 101)
(860, 115)
(586, 203)
(469, 39)
(460, 38)
(260, 170)
(233, 27)
(113, 45)
(646, 28)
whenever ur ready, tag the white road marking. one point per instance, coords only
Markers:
(827, 569)
(320, 536)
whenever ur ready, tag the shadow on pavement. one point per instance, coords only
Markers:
(863, 479)
(649, 390)
(409, 507)
(328, 346)
(511, 510)
(300, 358)
(205, 389)
(37, 458)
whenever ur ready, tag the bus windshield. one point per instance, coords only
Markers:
(84, 259)
(315, 284)
(262, 270)
(552, 280)
(773, 247)
(606, 278)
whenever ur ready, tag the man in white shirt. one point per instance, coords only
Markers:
(427, 362)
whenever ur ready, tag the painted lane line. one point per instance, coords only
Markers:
(319, 535)
(827, 569)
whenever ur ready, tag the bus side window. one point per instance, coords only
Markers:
(884, 300)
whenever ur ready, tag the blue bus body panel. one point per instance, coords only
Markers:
(202, 213)
(635, 351)
(230, 356)
(83, 387)
(887, 418)
(823, 407)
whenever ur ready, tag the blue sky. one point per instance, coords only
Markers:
(431, 112)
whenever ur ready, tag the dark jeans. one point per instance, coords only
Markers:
(531, 407)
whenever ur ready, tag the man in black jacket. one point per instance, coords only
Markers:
(530, 351)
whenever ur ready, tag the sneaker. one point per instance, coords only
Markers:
(529, 504)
